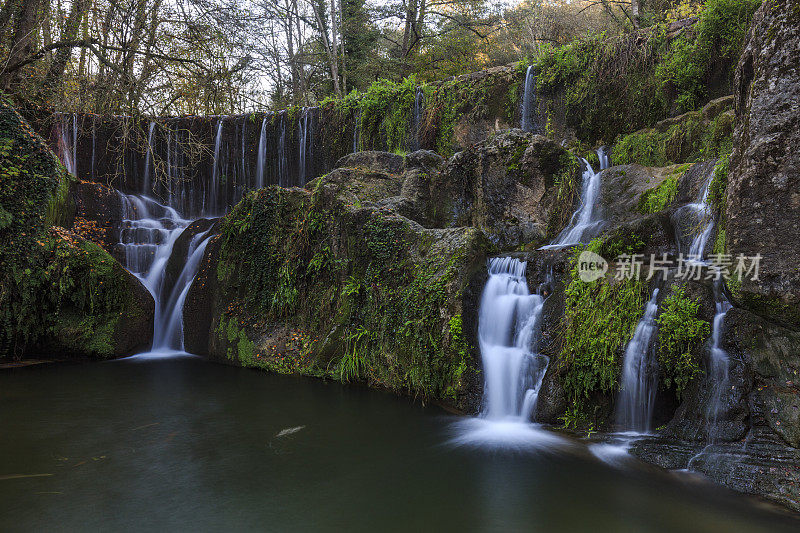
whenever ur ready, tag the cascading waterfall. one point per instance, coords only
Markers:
(215, 171)
(584, 221)
(283, 164)
(147, 238)
(719, 361)
(702, 222)
(262, 153)
(419, 102)
(68, 143)
(639, 378)
(357, 132)
(509, 317)
(509, 324)
(304, 132)
(528, 120)
(148, 158)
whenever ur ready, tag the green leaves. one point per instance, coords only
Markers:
(680, 333)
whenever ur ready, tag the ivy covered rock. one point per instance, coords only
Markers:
(310, 282)
(763, 200)
(59, 293)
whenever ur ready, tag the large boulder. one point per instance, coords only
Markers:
(763, 201)
(506, 186)
(60, 294)
(317, 283)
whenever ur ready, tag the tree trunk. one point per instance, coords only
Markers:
(70, 32)
(21, 42)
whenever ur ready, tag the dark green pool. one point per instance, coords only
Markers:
(184, 445)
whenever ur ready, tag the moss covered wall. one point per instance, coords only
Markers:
(303, 282)
(59, 294)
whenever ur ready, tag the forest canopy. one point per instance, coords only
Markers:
(169, 57)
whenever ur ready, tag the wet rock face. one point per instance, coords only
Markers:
(763, 204)
(98, 214)
(500, 186)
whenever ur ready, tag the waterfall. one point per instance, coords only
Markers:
(148, 158)
(67, 144)
(419, 102)
(509, 324)
(528, 120)
(701, 219)
(170, 334)
(262, 153)
(283, 164)
(509, 318)
(719, 362)
(147, 237)
(584, 221)
(639, 378)
(243, 157)
(357, 131)
(94, 146)
(215, 171)
(305, 138)
(75, 143)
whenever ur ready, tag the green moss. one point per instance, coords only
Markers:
(716, 38)
(567, 182)
(598, 322)
(659, 198)
(644, 148)
(378, 307)
(719, 183)
(615, 85)
(680, 335)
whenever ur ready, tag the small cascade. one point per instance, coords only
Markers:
(639, 378)
(584, 221)
(244, 167)
(67, 141)
(416, 125)
(357, 132)
(211, 206)
(148, 159)
(147, 239)
(509, 319)
(719, 362)
(304, 138)
(93, 167)
(701, 222)
(528, 120)
(262, 153)
(283, 163)
(170, 335)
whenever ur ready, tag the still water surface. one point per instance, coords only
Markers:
(185, 445)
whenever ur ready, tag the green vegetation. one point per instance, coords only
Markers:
(716, 39)
(680, 336)
(371, 310)
(568, 182)
(599, 320)
(659, 198)
(691, 139)
(55, 288)
(601, 76)
(383, 113)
